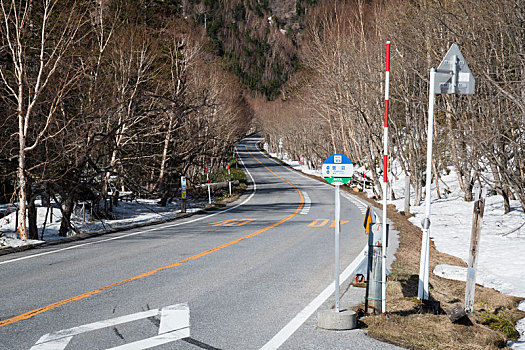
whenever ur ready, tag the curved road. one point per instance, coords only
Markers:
(245, 273)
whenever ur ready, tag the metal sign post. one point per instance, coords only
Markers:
(229, 180)
(236, 156)
(451, 77)
(281, 148)
(183, 194)
(368, 223)
(337, 170)
(337, 232)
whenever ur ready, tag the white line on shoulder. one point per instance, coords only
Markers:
(144, 231)
(288, 330)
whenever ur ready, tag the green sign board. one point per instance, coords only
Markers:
(341, 180)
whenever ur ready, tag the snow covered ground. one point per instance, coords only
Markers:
(501, 261)
(139, 211)
(502, 245)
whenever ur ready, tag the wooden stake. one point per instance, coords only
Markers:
(477, 222)
(407, 195)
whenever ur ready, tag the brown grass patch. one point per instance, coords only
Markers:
(410, 325)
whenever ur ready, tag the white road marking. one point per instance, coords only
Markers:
(174, 317)
(144, 231)
(305, 313)
(56, 344)
(307, 204)
(174, 325)
(153, 341)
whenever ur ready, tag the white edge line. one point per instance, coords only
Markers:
(144, 231)
(305, 313)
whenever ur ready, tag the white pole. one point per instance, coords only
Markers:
(337, 229)
(208, 181)
(422, 292)
(385, 180)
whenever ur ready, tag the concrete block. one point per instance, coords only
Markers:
(331, 319)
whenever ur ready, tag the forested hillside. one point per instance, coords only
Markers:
(335, 102)
(106, 94)
(256, 39)
(103, 95)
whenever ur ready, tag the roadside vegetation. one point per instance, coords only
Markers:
(100, 97)
(334, 104)
(413, 325)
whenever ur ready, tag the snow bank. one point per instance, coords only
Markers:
(501, 258)
(139, 211)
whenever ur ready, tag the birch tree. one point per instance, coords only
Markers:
(37, 37)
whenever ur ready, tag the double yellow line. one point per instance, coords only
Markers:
(43, 309)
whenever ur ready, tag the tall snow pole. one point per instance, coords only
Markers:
(364, 179)
(385, 181)
(208, 181)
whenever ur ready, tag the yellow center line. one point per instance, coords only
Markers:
(43, 309)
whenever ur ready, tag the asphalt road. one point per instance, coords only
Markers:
(245, 273)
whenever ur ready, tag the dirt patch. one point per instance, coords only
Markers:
(412, 325)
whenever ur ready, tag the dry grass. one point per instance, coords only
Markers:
(412, 326)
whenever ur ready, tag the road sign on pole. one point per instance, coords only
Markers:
(183, 194)
(452, 77)
(337, 170)
(369, 220)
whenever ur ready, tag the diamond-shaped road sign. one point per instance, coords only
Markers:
(453, 75)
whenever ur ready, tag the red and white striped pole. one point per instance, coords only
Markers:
(385, 181)
(364, 179)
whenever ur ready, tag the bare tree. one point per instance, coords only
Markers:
(31, 70)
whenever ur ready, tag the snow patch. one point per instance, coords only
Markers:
(139, 211)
